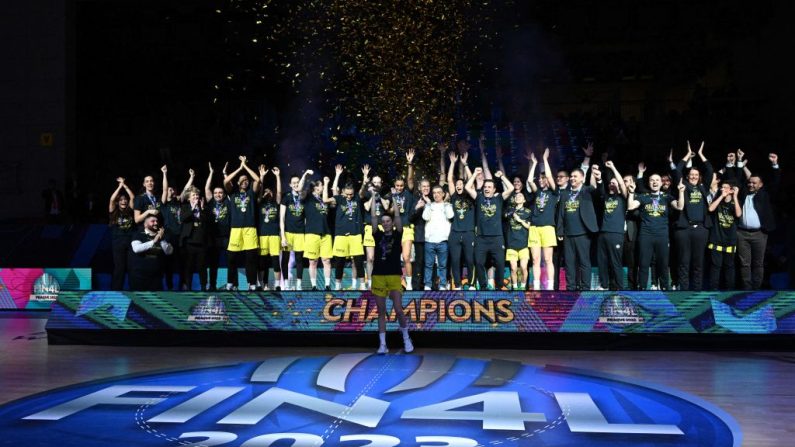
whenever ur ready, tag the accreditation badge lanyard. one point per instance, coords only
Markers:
(217, 211)
(349, 209)
(543, 197)
(323, 205)
(152, 200)
(296, 203)
(655, 203)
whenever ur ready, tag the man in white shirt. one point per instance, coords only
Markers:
(437, 216)
(146, 261)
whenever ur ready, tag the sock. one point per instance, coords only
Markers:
(353, 283)
(405, 331)
(337, 284)
(536, 285)
(382, 337)
(515, 286)
(491, 282)
(313, 281)
(408, 282)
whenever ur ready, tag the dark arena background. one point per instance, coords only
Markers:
(199, 339)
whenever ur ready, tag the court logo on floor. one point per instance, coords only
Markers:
(361, 400)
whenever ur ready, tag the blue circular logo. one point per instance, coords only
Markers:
(361, 400)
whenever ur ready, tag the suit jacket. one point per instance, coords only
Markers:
(762, 201)
(188, 219)
(585, 212)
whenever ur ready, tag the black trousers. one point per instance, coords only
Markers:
(610, 249)
(215, 253)
(173, 264)
(418, 266)
(657, 247)
(195, 261)
(721, 262)
(461, 243)
(631, 261)
(121, 251)
(691, 243)
(339, 266)
(249, 259)
(559, 258)
(578, 262)
(299, 265)
(486, 246)
(265, 262)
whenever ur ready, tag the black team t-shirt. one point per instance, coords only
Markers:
(243, 210)
(654, 209)
(614, 215)
(572, 221)
(268, 218)
(489, 214)
(348, 216)
(122, 226)
(724, 227)
(404, 204)
(146, 202)
(220, 219)
(294, 218)
(172, 221)
(695, 205)
(464, 212)
(517, 233)
(316, 213)
(387, 253)
(543, 206)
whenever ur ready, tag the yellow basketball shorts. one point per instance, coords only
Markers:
(347, 246)
(241, 239)
(295, 241)
(515, 255)
(270, 245)
(317, 246)
(383, 284)
(542, 237)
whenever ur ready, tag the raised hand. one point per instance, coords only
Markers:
(262, 171)
(210, 166)
(609, 164)
(338, 169)
(690, 153)
(242, 159)
(671, 156)
(164, 169)
(701, 150)
(120, 180)
(442, 147)
(226, 165)
(740, 154)
(735, 191)
(366, 170)
(597, 174)
(498, 174)
(309, 172)
(477, 171)
(631, 187)
(773, 158)
(275, 171)
(641, 167)
(588, 150)
(191, 172)
(533, 158)
(680, 186)
(326, 179)
(464, 157)
(546, 154)
(410, 155)
(453, 157)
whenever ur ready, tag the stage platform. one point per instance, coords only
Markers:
(577, 320)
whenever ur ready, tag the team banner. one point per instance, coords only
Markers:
(758, 312)
(38, 288)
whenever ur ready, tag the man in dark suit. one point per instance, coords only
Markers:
(576, 225)
(756, 223)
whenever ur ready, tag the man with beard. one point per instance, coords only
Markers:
(243, 243)
(149, 248)
(576, 224)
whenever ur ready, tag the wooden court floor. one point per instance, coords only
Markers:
(756, 388)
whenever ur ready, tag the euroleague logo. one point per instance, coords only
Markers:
(357, 400)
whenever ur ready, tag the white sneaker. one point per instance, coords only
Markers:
(252, 288)
(229, 286)
(407, 345)
(297, 286)
(428, 288)
(382, 349)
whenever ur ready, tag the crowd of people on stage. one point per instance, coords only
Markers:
(680, 229)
